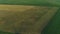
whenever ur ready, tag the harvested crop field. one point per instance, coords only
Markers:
(25, 19)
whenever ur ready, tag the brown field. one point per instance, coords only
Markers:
(25, 19)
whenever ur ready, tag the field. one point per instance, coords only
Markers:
(53, 26)
(27, 19)
(32, 2)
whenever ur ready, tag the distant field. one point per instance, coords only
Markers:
(32, 2)
(25, 18)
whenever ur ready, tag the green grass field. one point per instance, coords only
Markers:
(32, 2)
(54, 25)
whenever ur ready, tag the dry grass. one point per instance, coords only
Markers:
(25, 19)
(15, 7)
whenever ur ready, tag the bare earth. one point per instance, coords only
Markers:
(25, 19)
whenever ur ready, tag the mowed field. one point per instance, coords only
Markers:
(25, 19)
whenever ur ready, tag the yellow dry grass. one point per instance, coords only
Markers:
(15, 7)
(26, 19)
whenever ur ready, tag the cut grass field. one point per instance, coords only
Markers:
(25, 19)
(55, 21)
